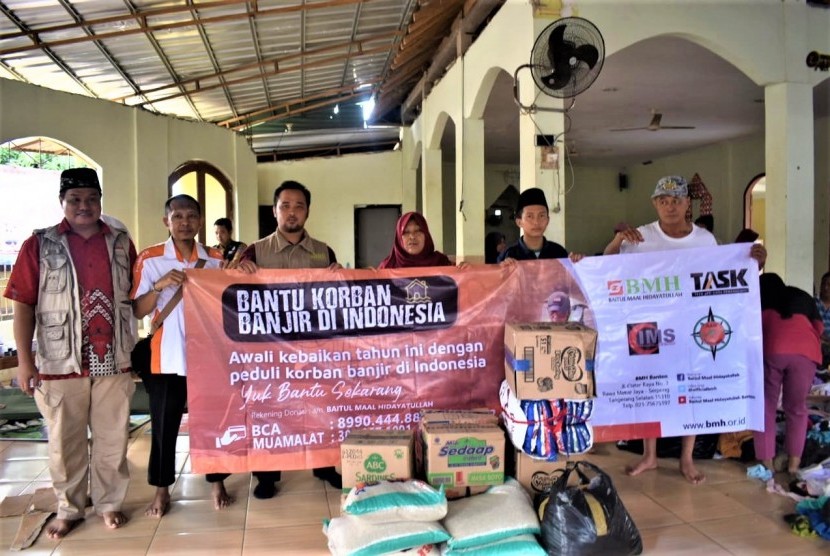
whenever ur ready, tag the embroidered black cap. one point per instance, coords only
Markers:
(75, 178)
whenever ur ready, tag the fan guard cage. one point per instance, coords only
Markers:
(578, 33)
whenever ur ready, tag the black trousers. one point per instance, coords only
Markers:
(168, 400)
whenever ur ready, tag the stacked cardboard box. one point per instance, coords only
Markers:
(546, 364)
(461, 450)
(370, 456)
(547, 360)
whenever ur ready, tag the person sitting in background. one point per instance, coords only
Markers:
(494, 244)
(413, 245)
(231, 250)
(792, 329)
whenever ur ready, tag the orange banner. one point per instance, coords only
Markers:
(282, 364)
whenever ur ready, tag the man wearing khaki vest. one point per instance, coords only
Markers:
(289, 247)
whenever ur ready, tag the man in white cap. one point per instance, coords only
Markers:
(670, 231)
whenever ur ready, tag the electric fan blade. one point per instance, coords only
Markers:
(556, 40)
(629, 129)
(559, 55)
(588, 54)
(560, 77)
(654, 124)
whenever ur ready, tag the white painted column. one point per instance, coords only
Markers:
(542, 122)
(431, 190)
(409, 170)
(790, 182)
(469, 190)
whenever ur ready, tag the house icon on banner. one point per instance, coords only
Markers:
(417, 292)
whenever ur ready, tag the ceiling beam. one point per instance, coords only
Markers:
(101, 48)
(322, 94)
(136, 15)
(166, 63)
(51, 55)
(289, 112)
(212, 57)
(474, 14)
(145, 27)
(276, 62)
(252, 22)
(277, 71)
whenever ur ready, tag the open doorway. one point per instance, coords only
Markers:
(374, 233)
(755, 199)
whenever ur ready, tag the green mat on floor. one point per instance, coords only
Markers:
(17, 406)
(35, 430)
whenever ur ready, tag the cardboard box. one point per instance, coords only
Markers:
(459, 416)
(459, 456)
(547, 361)
(370, 455)
(535, 475)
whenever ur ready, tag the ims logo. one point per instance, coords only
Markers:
(645, 338)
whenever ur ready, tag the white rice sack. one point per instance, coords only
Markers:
(353, 536)
(521, 545)
(386, 501)
(515, 420)
(501, 512)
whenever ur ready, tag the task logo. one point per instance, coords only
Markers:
(712, 333)
(719, 282)
(645, 338)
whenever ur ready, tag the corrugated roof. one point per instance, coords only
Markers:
(253, 66)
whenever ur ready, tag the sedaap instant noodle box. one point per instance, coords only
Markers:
(547, 360)
(463, 455)
(376, 455)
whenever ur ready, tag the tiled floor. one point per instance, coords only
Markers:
(729, 514)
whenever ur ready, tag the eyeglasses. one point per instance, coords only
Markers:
(413, 233)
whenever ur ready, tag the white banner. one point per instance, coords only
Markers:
(680, 346)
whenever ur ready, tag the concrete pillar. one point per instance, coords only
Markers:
(790, 182)
(469, 190)
(431, 190)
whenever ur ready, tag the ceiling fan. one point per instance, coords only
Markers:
(654, 124)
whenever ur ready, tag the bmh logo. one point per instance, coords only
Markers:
(712, 333)
(719, 282)
(645, 338)
(640, 289)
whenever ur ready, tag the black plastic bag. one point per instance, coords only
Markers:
(588, 517)
(141, 356)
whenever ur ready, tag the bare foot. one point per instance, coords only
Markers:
(645, 464)
(691, 473)
(221, 498)
(160, 504)
(114, 520)
(58, 528)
